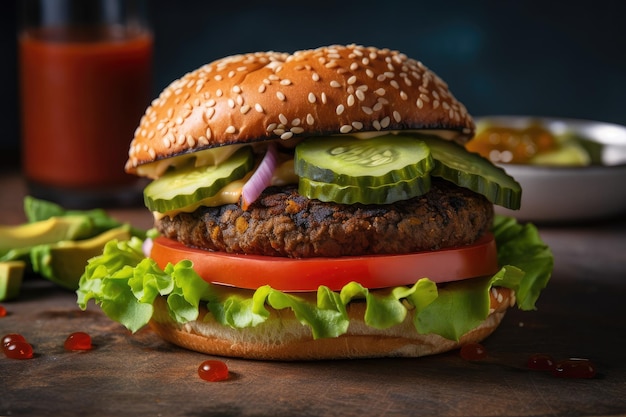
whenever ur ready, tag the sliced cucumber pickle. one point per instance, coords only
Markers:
(184, 187)
(470, 170)
(351, 194)
(348, 161)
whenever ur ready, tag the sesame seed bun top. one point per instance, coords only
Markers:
(269, 95)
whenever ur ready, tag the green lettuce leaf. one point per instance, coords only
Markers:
(125, 284)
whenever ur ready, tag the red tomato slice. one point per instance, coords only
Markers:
(293, 275)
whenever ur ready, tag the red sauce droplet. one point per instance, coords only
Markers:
(18, 350)
(12, 337)
(473, 352)
(541, 362)
(78, 341)
(3, 311)
(574, 368)
(213, 371)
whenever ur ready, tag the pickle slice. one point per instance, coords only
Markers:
(470, 170)
(186, 186)
(375, 162)
(351, 194)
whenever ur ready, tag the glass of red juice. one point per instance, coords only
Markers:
(85, 82)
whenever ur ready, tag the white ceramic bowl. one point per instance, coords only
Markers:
(570, 194)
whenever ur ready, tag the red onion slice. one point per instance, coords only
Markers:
(261, 178)
(146, 247)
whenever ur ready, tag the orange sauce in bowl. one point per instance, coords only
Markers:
(512, 146)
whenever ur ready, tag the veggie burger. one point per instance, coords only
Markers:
(317, 205)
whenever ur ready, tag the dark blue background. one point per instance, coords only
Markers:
(550, 58)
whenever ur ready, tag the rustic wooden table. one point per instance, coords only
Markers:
(581, 314)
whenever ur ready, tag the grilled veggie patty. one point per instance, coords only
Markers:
(284, 223)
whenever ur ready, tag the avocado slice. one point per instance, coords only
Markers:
(46, 231)
(11, 275)
(64, 262)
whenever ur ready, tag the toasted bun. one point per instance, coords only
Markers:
(269, 95)
(283, 337)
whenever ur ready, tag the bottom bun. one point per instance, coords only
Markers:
(283, 337)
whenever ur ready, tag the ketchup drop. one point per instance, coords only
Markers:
(213, 371)
(78, 341)
(540, 362)
(3, 311)
(18, 350)
(473, 352)
(574, 368)
(12, 337)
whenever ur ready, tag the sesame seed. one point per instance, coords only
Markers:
(236, 89)
(244, 109)
(352, 79)
(323, 97)
(231, 103)
(286, 135)
(283, 119)
(278, 131)
(179, 120)
(378, 106)
(376, 124)
(280, 96)
(394, 84)
(285, 82)
(396, 116)
(309, 119)
(367, 110)
(258, 108)
(296, 122)
(357, 125)
(209, 133)
(345, 129)
(350, 100)
(403, 95)
(385, 122)
(311, 98)
(354, 66)
(335, 84)
(262, 88)
(315, 76)
(420, 104)
(219, 92)
(340, 108)
(271, 127)
(380, 91)
(296, 130)
(360, 95)
(231, 129)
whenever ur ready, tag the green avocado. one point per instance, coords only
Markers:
(51, 230)
(64, 262)
(11, 274)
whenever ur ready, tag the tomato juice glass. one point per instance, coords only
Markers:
(85, 81)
